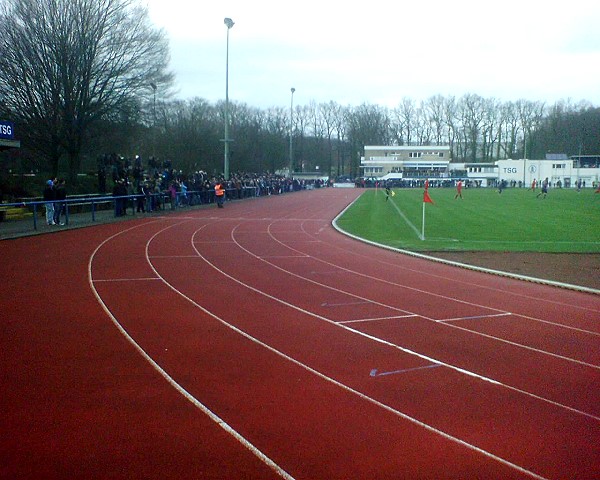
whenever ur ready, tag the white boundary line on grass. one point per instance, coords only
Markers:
(410, 224)
(458, 264)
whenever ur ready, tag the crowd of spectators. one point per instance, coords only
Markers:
(159, 184)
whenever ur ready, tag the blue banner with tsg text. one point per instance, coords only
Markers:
(7, 130)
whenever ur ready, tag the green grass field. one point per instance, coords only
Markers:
(517, 221)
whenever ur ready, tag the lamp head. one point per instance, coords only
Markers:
(229, 23)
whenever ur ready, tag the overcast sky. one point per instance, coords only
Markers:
(379, 51)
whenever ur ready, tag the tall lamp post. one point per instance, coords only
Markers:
(153, 85)
(229, 23)
(291, 127)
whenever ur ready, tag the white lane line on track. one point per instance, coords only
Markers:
(376, 373)
(188, 396)
(337, 383)
(172, 256)
(170, 380)
(376, 319)
(474, 317)
(330, 379)
(108, 280)
(345, 304)
(284, 256)
(406, 350)
(223, 424)
(445, 297)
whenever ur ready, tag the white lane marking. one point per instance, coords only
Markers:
(481, 377)
(141, 279)
(345, 304)
(335, 382)
(170, 380)
(474, 317)
(449, 324)
(376, 373)
(376, 319)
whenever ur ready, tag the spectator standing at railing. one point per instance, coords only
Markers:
(49, 197)
(119, 192)
(183, 188)
(141, 199)
(173, 195)
(148, 193)
(60, 206)
(219, 194)
(156, 197)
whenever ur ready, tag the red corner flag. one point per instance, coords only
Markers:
(426, 197)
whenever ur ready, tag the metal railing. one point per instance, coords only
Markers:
(92, 204)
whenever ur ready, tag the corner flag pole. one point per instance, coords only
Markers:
(423, 224)
(426, 199)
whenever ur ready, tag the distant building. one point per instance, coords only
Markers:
(560, 170)
(410, 165)
(416, 161)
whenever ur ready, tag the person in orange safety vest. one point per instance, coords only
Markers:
(219, 194)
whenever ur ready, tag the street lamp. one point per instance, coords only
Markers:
(153, 85)
(229, 24)
(291, 127)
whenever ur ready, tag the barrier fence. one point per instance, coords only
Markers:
(151, 202)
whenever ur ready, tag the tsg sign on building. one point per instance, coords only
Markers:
(7, 130)
(7, 135)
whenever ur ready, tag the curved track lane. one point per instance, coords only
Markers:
(307, 354)
(309, 344)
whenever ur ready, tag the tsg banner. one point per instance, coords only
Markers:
(7, 130)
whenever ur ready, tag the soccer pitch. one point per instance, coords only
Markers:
(516, 220)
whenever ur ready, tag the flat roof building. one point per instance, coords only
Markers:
(417, 163)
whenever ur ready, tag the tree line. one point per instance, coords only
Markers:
(83, 78)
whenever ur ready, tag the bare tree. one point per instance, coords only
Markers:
(423, 126)
(530, 114)
(472, 118)
(66, 64)
(343, 147)
(510, 116)
(329, 112)
(406, 114)
(489, 128)
(434, 108)
(368, 124)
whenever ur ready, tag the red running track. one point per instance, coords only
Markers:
(258, 342)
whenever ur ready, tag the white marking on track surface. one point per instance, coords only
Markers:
(482, 377)
(170, 380)
(449, 324)
(308, 368)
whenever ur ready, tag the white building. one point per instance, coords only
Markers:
(411, 164)
(558, 169)
(416, 162)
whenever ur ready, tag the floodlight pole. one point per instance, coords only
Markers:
(153, 85)
(229, 23)
(291, 130)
